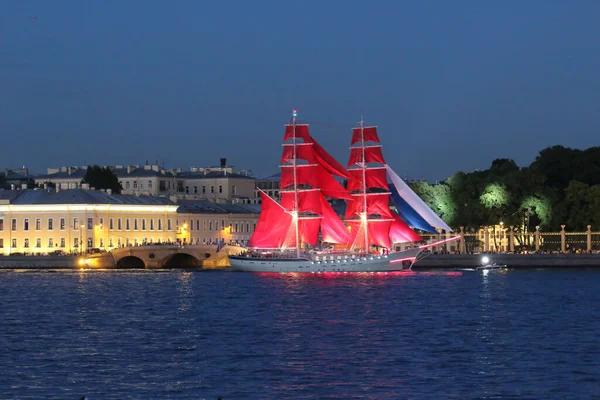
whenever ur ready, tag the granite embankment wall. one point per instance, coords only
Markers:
(435, 261)
(33, 262)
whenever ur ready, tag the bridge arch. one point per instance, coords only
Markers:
(130, 262)
(181, 260)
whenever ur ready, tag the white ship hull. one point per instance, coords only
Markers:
(396, 261)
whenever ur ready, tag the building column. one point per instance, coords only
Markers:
(486, 239)
(511, 243)
(461, 244)
(537, 238)
(589, 238)
(438, 239)
(563, 239)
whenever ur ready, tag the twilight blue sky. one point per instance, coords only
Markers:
(451, 84)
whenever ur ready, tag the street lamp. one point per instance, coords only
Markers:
(501, 234)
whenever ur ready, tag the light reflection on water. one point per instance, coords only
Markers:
(183, 334)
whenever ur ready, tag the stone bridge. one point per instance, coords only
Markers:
(164, 256)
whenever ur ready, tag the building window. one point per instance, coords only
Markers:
(210, 225)
(233, 190)
(90, 243)
(135, 184)
(247, 227)
(13, 224)
(110, 243)
(1, 243)
(203, 189)
(144, 224)
(191, 224)
(111, 224)
(220, 188)
(50, 224)
(1, 224)
(101, 223)
(151, 224)
(38, 224)
(63, 243)
(160, 224)
(119, 242)
(149, 184)
(169, 224)
(142, 185)
(62, 225)
(197, 224)
(26, 224)
(75, 223)
(162, 186)
(90, 223)
(223, 224)
(26, 243)
(76, 242)
(127, 185)
(127, 243)
(101, 243)
(187, 189)
(135, 224)
(38, 243)
(127, 224)
(119, 224)
(195, 189)
(14, 244)
(212, 189)
(50, 243)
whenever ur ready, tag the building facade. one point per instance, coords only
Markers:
(204, 222)
(78, 220)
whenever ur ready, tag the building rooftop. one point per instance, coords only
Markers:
(207, 207)
(77, 196)
(274, 177)
(212, 175)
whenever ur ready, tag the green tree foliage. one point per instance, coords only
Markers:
(102, 178)
(562, 186)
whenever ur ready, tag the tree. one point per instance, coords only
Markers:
(102, 178)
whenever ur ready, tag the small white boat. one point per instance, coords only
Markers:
(491, 267)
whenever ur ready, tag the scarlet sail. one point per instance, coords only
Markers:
(368, 214)
(272, 227)
(368, 132)
(375, 178)
(306, 178)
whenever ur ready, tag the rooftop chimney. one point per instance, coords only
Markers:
(23, 186)
(12, 186)
(109, 191)
(223, 162)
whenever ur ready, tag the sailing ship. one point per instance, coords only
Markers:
(287, 233)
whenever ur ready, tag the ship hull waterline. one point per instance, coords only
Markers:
(396, 261)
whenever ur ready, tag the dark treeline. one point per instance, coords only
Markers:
(562, 186)
(102, 178)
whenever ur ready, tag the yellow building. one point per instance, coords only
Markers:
(77, 220)
(204, 222)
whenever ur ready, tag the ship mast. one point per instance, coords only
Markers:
(295, 211)
(364, 184)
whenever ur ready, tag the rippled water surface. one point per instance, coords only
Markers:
(177, 334)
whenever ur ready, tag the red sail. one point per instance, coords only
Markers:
(370, 134)
(327, 161)
(305, 175)
(272, 227)
(309, 230)
(304, 151)
(330, 187)
(308, 201)
(332, 228)
(375, 177)
(379, 233)
(377, 204)
(401, 233)
(372, 154)
(301, 132)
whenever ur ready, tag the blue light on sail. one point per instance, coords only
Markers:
(408, 214)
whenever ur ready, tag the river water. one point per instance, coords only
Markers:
(203, 335)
